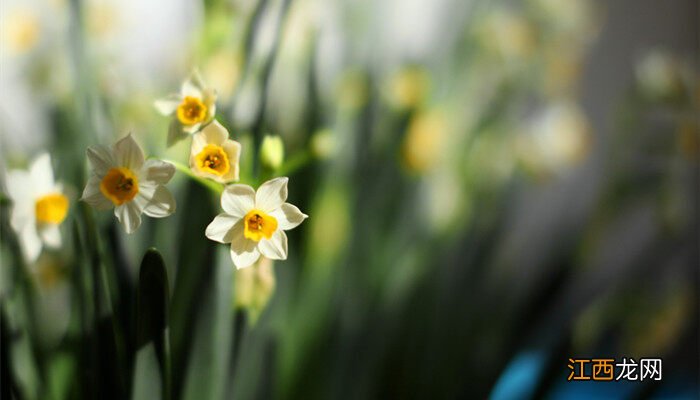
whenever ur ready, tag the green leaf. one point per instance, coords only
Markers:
(147, 375)
(208, 367)
(194, 269)
(152, 307)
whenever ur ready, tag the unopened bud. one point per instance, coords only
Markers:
(272, 152)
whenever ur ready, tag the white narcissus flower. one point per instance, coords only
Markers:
(254, 222)
(213, 155)
(192, 108)
(124, 180)
(38, 206)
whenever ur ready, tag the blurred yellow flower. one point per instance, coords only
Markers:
(352, 90)
(213, 155)
(507, 34)
(223, 70)
(192, 108)
(21, 30)
(254, 222)
(39, 206)
(424, 140)
(408, 87)
(122, 179)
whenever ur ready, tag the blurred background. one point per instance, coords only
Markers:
(493, 187)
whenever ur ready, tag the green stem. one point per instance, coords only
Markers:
(295, 163)
(211, 185)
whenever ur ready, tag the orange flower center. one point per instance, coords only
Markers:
(258, 225)
(51, 208)
(213, 159)
(191, 111)
(119, 185)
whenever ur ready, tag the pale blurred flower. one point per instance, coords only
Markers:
(29, 26)
(408, 87)
(445, 200)
(223, 71)
(659, 75)
(144, 40)
(323, 144)
(53, 301)
(424, 141)
(21, 31)
(507, 34)
(191, 109)
(254, 222)
(39, 205)
(272, 152)
(352, 89)
(25, 114)
(213, 155)
(576, 19)
(254, 286)
(122, 179)
(558, 138)
(562, 69)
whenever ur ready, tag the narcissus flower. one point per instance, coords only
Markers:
(39, 205)
(124, 180)
(213, 155)
(192, 108)
(254, 222)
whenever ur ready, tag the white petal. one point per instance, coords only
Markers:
(129, 215)
(214, 133)
(128, 153)
(209, 99)
(93, 195)
(193, 85)
(51, 235)
(190, 129)
(238, 199)
(41, 174)
(30, 242)
(161, 203)
(175, 132)
(233, 151)
(274, 248)
(271, 194)
(157, 171)
(168, 105)
(100, 158)
(244, 259)
(22, 215)
(288, 216)
(244, 252)
(17, 187)
(221, 229)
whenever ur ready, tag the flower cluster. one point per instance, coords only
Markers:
(253, 222)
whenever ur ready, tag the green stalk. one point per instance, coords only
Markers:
(295, 163)
(211, 185)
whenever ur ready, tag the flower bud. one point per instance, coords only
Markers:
(323, 144)
(254, 286)
(272, 152)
